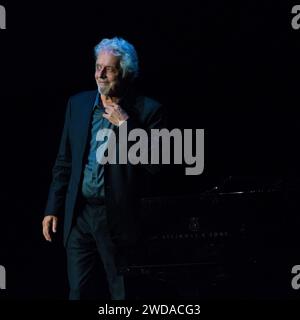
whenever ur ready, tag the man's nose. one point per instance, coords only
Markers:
(102, 73)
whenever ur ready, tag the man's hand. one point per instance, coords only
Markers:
(113, 112)
(49, 225)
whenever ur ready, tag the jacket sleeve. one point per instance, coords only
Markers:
(61, 171)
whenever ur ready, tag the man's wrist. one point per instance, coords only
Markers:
(122, 121)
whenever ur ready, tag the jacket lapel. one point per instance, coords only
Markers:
(85, 121)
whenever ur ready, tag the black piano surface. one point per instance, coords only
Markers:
(232, 239)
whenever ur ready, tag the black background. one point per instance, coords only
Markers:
(229, 68)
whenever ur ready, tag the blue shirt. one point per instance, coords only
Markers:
(93, 178)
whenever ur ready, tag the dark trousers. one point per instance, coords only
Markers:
(91, 257)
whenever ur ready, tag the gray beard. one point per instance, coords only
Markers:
(104, 90)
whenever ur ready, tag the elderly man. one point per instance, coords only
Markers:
(100, 202)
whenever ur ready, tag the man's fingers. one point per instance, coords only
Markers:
(54, 225)
(110, 118)
(46, 228)
(49, 224)
(113, 114)
(115, 106)
(109, 109)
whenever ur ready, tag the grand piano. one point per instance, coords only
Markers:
(224, 241)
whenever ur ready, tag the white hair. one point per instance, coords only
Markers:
(123, 49)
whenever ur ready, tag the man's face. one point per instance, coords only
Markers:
(108, 74)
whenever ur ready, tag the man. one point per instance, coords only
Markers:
(100, 201)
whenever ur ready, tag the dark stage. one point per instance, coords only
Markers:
(230, 69)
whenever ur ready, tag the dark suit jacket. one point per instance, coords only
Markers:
(123, 182)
